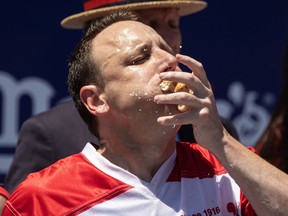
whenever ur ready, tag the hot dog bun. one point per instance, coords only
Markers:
(171, 86)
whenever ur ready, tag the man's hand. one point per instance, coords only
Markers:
(203, 114)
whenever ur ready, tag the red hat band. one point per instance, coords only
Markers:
(93, 4)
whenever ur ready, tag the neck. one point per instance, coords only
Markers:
(143, 159)
(139, 144)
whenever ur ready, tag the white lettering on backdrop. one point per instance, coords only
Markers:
(38, 90)
(250, 118)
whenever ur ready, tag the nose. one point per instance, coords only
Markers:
(168, 60)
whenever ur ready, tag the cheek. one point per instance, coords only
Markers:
(134, 84)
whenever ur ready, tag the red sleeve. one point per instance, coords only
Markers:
(246, 207)
(4, 193)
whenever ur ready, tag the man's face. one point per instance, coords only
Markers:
(130, 56)
(165, 22)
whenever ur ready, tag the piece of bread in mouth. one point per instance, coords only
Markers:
(171, 86)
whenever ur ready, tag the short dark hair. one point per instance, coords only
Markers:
(83, 70)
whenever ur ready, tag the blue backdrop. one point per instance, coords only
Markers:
(240, 44)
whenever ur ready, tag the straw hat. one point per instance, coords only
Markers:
(98, 8)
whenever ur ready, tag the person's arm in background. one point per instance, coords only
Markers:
(4, 195)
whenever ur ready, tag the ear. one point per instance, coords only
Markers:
(94, 100)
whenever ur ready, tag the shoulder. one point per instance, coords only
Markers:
(4, 192)
(62, 110)
(43, 191)
(65, 110)
(60, 125)
(47, 177)
(194, 161)
(69, 185)
(194, 152)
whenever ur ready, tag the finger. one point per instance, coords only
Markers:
(179, 119)
(183, 98)
(194, 66)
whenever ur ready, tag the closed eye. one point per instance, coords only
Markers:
(140, 60)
